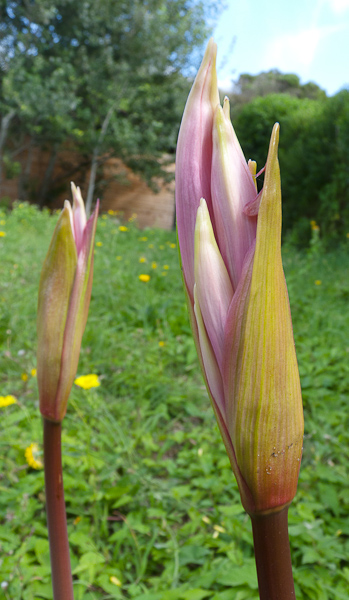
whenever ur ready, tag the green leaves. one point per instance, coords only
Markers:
(146, 476)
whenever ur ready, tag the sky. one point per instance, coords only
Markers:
(306, 37)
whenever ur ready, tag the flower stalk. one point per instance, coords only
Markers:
(273, 556)
(62, 583)
(64, 297)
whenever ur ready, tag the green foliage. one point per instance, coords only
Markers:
(153, 509)
(314, 144)
(102, 77)
(249, 87)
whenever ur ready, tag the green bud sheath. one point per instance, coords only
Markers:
(265, 416)
(56, 284)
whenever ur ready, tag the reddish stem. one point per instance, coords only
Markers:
(273, 556)
(62, 583)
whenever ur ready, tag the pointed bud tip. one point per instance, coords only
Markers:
(274, 140)
(226, 108)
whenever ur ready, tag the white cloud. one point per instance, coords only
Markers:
(296, 51)
(225, 84)
(338, 6)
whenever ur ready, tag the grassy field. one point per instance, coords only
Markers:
(153, 508)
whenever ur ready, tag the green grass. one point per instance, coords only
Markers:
(146, 476)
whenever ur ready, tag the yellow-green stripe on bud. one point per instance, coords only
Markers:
(265, 415)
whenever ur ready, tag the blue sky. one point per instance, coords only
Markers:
(307, 37)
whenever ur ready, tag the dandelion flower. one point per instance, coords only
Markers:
(87, 381)
(7, 401)
(144, 277)
(33, 372)
(318, 282)
(161, 343)
(123, 228)
(219, 528)
(172, 245)
(2, 222)
(143, 239)
(99, 244)
(142, 259)
(24, 377)
(2, 233)
(154, 265)
(104, 217)
(32, 456)
(119, 258)
(166, 267)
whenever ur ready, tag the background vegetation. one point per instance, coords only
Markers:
(105, 78)
(111, 79)
(153, 508)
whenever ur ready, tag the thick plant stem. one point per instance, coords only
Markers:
(273, 556)
(62, 583)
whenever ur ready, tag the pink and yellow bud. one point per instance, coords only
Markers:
(238, 301)
(64, 297)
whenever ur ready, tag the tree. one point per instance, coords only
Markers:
(314, 145)
(248, 87)
(121, 68)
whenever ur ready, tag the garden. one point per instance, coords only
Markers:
(153, 508)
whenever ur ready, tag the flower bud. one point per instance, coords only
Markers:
(238, 300)
(64, 298)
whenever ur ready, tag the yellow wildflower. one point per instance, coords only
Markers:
(24, 377)
(87, 381)
(119, 258)
(219, 528)
(142, 259)
(206, 520)
(314, 226)
(151, 246)
(77, 520)
(143, 239)
(2, 222)
(2, 234)
(7, 401)
(172, 245)
(123, 228)
(115, 580)
(154, 265)
(110, 212)
(99, 244)
(162, 247)
(166, 267)
(348, 235)
(144, 277)
(161, 343)
(33, 372)
(31, 455)
(318, 282)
